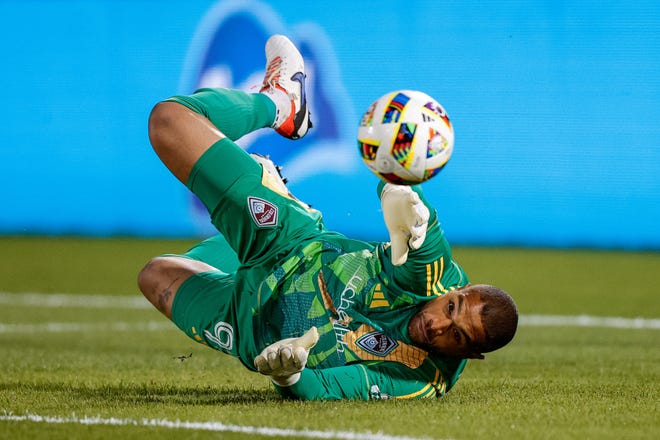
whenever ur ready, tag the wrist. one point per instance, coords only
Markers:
(286, 381)
(380, 187)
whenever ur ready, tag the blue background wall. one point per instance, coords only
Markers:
(556, 108)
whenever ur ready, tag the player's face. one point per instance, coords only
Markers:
(450, 324)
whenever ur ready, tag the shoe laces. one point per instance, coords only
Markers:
(273, 72)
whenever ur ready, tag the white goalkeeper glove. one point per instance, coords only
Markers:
(406, 218)
(284, 360)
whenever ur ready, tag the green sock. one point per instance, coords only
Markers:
(234, 112)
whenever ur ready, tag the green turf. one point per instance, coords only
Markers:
(550, 383)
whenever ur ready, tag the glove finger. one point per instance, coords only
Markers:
(274, 361)
(422, 213)
(308, 340)
(286, 359)
(399, 245)
(418, 236)
(300, 358)
(413, 197)
(262, 364)
(416, 242)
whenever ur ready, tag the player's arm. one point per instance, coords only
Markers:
(285, 361)
(384, 380)
(406, 218)
(420, 254)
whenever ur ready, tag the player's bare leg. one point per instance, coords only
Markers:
(180, 136)
(162, 276)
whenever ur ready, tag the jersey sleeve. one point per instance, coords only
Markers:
(384, 380)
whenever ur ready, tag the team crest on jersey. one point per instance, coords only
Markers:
(377, 343)
(263, 212)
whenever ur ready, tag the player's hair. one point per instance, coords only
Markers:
(499, 317)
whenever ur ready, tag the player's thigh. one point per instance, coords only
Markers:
(202, 308)
(256, 219)
(215, 251)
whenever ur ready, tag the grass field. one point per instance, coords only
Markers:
(82, 356)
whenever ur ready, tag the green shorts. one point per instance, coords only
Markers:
(202, 309)
(259, 226)
(259, 222)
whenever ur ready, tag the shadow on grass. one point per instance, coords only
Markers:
(144, 394)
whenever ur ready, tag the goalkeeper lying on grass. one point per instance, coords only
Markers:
(325, 316)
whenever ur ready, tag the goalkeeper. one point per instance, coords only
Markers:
(324, 316)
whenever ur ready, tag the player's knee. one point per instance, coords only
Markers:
(160, 279)
(154, 285)
(162, 122)
(149, 277)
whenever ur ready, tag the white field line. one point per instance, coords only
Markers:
(203, 426)
(64, 300)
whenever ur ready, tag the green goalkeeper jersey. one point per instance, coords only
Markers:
(299, 275)
(361, 305)
(294, 274)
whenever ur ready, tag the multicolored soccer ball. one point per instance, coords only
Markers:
(405, 137)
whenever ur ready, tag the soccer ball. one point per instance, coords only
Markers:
(405, 137)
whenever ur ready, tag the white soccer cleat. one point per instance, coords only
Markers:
(273, 170)
(284, 83)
